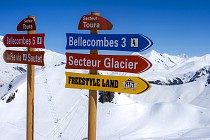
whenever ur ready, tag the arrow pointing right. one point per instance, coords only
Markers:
(129, 84)
(132, 64)
(118, 42)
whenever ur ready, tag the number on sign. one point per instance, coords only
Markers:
(124, 42)
(33, 41)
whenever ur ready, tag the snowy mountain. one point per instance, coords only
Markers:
(10, 70)
(185, 78)
(176, 107)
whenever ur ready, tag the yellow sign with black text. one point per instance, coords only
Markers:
(129, 84)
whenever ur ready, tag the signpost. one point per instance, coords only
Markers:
(92, 110)
(24, 40)
(94, 22)
(30, 95)
(94, 62)
(132, 64)
(30, 57)
(24, 57)
(118, 42)
(26, 25)
(129, 84)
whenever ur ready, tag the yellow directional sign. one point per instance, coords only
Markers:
(129, 84)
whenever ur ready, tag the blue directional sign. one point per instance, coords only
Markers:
(118, 42)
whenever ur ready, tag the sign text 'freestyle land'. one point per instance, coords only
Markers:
(129, 84)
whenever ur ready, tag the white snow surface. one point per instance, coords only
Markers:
(164, 112)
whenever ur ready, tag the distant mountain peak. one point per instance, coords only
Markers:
(208, 81)
(1, 38)
(152, 53)
(184, 56)
(162, 60)
(186, 78)
(135, 53)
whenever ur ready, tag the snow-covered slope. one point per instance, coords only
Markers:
(166, 66)
(62, 113)
(170, 110)
(8, 71)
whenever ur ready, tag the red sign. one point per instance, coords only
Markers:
(93, 22)
(24, 57)
(24, 40)
(26, 25)
(132, 64)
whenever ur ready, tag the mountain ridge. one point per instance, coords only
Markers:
(174, 111)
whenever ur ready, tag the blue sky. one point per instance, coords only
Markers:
(175, 26)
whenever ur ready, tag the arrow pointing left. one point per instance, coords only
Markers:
(24, 57)
(24, 40)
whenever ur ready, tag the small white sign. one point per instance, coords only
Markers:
(134, 42)
(24, 57)
(129, 84)
(39, 40)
